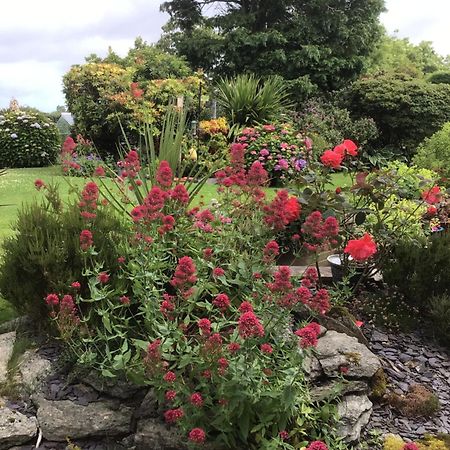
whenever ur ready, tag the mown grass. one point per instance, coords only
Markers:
(17, 188)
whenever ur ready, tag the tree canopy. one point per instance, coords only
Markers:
(393, 54)
(326, 42)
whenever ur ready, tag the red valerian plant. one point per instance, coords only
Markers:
(203, 318)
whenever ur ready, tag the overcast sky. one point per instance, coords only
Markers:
(40, 40)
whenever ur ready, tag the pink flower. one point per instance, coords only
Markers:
(180, 194)
(169, 377)
(271, 251)
(205, 326)
(52, 299)
(250, 326)
(170, 395)
(100, 171)
(245, 307)
(317, 445)
(86, 239)
(410, 446)
(76, 285)
(361, 249)
(266, 348)
(39, 184)
(218, 272)
(103, 277)
(164, 175)
(196, 399)
(197, 435)
(124, 300)
(233, 347)
(172, 415)
(284, 435)
(222, 301)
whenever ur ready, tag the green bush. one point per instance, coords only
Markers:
(434, 152)
(405, 110)
(105, 101)
(440, 77)
(328, 125)
(27, 139)
(421, 272)
(440, 316)
(44, 253)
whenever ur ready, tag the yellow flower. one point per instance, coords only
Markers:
(193, 154)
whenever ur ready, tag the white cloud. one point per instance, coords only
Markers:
(419, 21)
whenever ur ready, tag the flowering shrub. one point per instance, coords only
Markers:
(27, 139)
(79, 159)
(196, 312)
(277, 147)
(104, 99)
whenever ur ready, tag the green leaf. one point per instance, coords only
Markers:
(107, 323)
(106, 373)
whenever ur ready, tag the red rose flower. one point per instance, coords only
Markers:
(361, 249)
(331, 159)
(433, 195)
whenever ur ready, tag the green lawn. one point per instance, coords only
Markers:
(17, 188)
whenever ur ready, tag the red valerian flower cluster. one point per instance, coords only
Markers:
(270, 252)
(361, 249)
(319, 234)
(131, 165)
(89, 198)
(172, 415)
(249, 325)
(333, 158)
(86, 240)
(39, 184)
(185, 276)
(197, 435)
(281, 211)
(317, 445)
(308, 335)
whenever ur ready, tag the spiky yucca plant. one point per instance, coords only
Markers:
(247, 100)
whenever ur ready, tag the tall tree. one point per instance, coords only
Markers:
(321, 41)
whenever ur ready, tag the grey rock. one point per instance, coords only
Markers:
(335, 350)
(335, 388)
(379, 337)
(354, 412)
(59, 420)
(153, 434)
(112, 386)
(312, 367)
(6, 349)
(148, 407)
(15, 428)
(33, 370)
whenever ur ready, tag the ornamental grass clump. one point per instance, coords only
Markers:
(195, 311)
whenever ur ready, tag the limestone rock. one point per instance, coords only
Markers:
(338, 388)
(354, 412)
(15, 428)
(312, 368)
(153, 434)
(33, 369)
(61, 419)
(6, 349)
(111, 386)
(337, 350)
